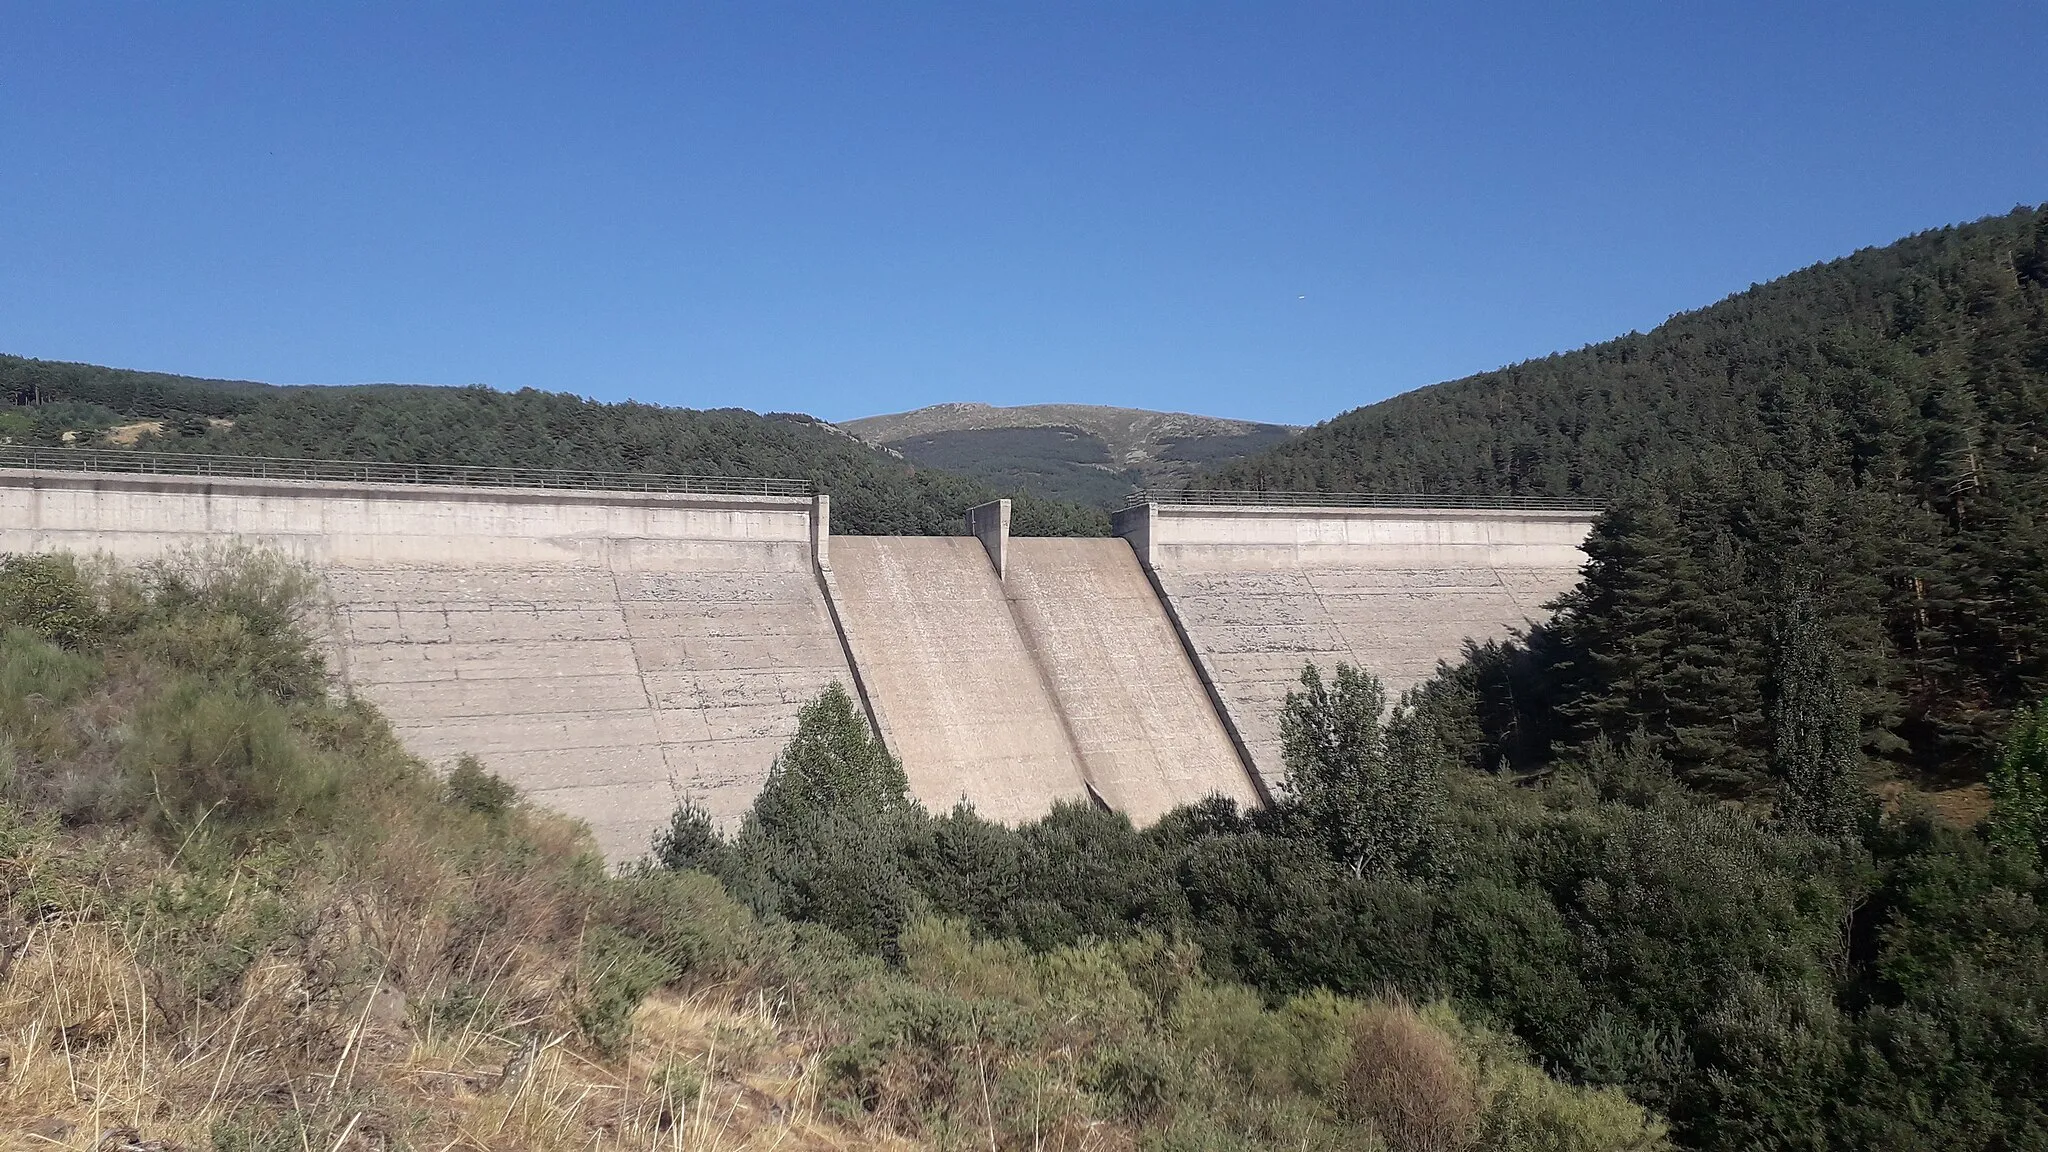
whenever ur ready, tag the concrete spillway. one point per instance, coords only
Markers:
(950, 677)
(612, 651)
(1016, 673)
(1262, 591)
(1148, 738)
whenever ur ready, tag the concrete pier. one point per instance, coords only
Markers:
(1147, 734)
(956, 694)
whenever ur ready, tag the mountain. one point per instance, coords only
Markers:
(873, 492)
(1865, 441)
(1082, 452)
(1867, 339)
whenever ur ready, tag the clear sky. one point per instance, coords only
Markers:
(1267, 210)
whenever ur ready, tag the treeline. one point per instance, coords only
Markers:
(1867, 438)
(873, 493)
(1767, 981)
(125, 391)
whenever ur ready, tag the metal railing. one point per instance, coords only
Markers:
(373, 472)
(1358, 500)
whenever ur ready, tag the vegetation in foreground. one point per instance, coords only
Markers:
(1826, 974)
(238, 916)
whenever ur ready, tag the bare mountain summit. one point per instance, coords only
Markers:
(1085, 452)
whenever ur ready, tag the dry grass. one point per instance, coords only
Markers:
(87, 1054)
(127, 435)
(1964, 807)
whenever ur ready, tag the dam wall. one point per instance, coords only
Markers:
(612, 651)
(1261, 590)
(606, 651)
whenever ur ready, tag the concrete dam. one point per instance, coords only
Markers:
(613, 648)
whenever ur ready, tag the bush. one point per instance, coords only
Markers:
(38, 681)
(234, 615)
(1406, 1080)
(1524, 1110)
(48, 596)
(472, 788)
(207, 759)
(682, 919)
(2019, 787)
(614, 973)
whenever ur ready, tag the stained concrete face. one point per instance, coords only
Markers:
(605, 652)
(950, 676)
(1261, 592)
(1148, 736)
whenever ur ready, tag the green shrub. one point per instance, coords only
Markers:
(684, 920)
(37, 680)
(1139, 1078)
(919, 1057)
(198, 930)
(2019, 786)
(1320, 1029)
(235, 616)
(943, 954)
(1524, 1110)
(1248, 1044)
(473, 788)
(204, 757)
(614, 974)
(676, 1088)
(47, 595)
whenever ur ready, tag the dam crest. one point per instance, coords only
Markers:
(614, 643)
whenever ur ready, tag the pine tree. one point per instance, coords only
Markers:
(1816, 734)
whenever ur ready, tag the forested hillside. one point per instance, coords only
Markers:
(1087, 453)
(1865, 441)
(872, 493)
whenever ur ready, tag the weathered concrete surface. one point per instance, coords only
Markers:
(951, 679)
(1147, 733)
(605, 651)
(1261, 591)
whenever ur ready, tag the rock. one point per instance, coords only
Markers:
(50, 1128)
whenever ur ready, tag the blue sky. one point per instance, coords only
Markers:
(1273, 211)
